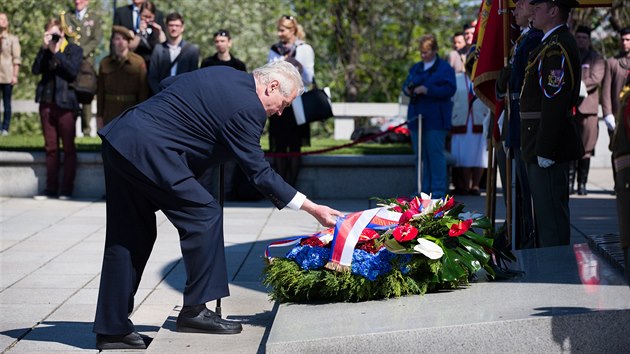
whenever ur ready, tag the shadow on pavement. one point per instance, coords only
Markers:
(74, 334)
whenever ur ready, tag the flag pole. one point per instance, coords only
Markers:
(507, 189)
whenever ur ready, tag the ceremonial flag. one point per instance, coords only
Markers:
(488, 54)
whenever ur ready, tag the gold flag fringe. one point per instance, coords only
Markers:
(337, 267)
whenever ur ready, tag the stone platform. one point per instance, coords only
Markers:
(569, 300)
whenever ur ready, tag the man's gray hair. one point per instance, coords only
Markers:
(284, 72)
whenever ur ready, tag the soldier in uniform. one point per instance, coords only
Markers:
(549, 139)
(593, 69)
(121, 78)
(509, 83)
(83, 27)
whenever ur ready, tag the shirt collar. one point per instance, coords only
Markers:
(550, 32)
(81, 14)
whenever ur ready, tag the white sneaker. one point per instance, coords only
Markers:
(65, 197)
(4, 132)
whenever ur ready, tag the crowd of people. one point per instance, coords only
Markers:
(192, 122)
(554, 82)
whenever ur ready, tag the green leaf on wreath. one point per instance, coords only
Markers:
(394, 247)
(475, 250)
(468, 260)
(482, 240)
(451, 270)
(482, 223)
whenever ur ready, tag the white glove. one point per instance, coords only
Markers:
(544, 163)
(583, 90)
(609, 119)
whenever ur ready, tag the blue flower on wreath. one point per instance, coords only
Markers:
(308, 257)
(372, 266)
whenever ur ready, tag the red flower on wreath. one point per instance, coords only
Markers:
(406, 216)
(313, 241)
(404, 233)
(460, 228)
(447, 206)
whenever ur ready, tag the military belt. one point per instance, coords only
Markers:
(622, 162)
(530, 115)
(120, 98)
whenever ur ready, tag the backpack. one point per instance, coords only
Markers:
(85, 84)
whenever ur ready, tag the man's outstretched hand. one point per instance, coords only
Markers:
(324, 214)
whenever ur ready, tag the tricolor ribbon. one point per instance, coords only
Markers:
(346, 234)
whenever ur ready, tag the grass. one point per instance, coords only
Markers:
(16, 142)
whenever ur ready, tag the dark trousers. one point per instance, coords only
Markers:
(550, 195)
(6, 89)
(132, 200)
(622, 189)
(58, 123)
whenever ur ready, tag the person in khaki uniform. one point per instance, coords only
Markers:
(83, 27)
(121, 79)
(593, 69)
(549, 138)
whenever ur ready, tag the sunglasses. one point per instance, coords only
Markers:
(222, 34)
(287, 17)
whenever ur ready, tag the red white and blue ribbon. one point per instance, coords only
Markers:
(347, 233)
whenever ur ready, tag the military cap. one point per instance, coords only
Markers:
(565, 3)
(127, 33)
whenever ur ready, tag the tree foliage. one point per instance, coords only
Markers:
(363, 48)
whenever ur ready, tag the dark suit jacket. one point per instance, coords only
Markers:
(160, 64)
(198, 121)
(124, 17)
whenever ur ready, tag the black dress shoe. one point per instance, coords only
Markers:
(582, 189)
(206, 321)
(132, 340)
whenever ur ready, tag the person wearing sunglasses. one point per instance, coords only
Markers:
(223, 44)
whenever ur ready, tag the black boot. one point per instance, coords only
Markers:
(572, 168)
(583, 167)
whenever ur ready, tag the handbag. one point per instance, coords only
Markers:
(85, 84)
(312, 106)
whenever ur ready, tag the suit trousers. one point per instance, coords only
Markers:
(132, 200)
(6, 90)
(550, 196)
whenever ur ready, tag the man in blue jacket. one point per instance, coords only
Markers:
(154, 155)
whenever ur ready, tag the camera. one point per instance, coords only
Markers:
(55, 37)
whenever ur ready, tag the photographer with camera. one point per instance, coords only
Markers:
(431, 84)
(150, 33)
(58, 61)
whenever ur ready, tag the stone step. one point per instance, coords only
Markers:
(569, 300)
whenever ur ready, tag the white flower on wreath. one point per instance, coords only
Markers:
(428, 248)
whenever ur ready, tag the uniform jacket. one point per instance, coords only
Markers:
(121, 85)
(516, 71)
(617, 69)
(593, 69)
(86, 33)
(63, 69)
(198, 121)
(160, 64)
(436, 106)
(549, 94)
(123, 16)
(10, 54)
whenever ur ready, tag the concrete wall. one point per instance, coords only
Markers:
(23, 174)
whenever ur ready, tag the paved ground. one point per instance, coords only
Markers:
(51, 253)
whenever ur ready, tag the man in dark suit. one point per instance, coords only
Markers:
(154, 155)
(129, 16)
(173, 57)
(549, 139)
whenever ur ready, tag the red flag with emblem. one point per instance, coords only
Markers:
(488, 52)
